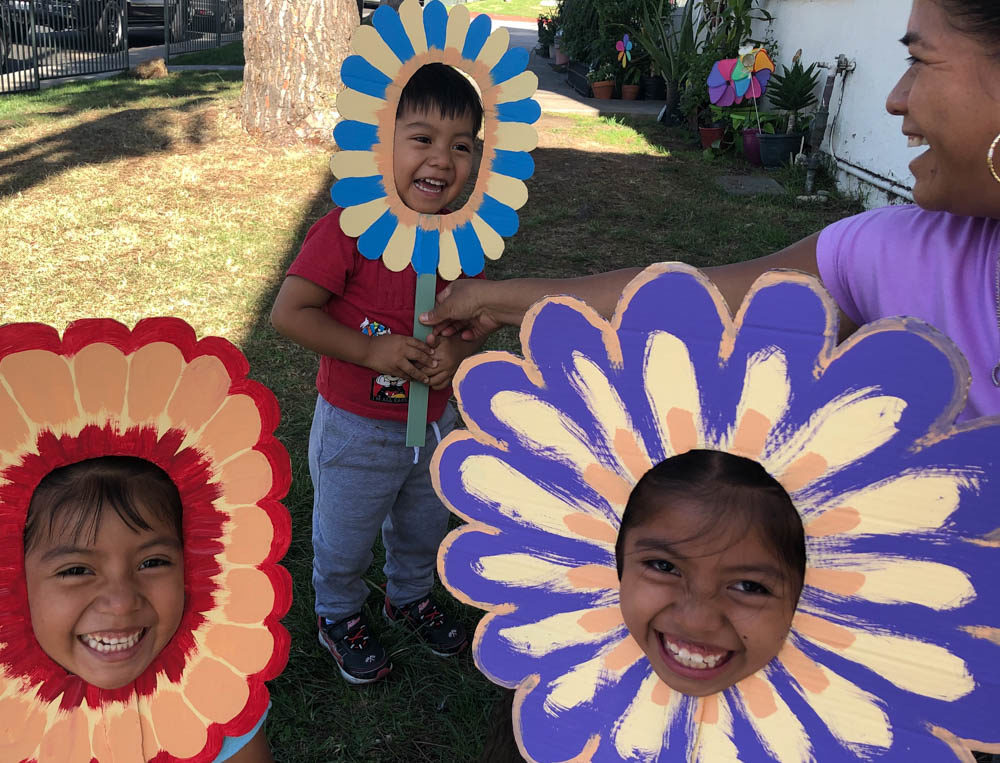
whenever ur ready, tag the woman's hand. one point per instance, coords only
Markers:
(462, 309)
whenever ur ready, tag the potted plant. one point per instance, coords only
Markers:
(547, 27)
(746, 124)
(602, 80)
(791, 92)
(670, 43)
(630, 83)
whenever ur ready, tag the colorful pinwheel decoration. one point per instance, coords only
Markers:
(894, 649)
(734, 79)
(624, 48)
(389, 52)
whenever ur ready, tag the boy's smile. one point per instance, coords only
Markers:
(432, 158)
(708, 612)
(105, 610)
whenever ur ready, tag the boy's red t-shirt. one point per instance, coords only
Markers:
(370, 298)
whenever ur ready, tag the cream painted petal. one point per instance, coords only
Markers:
(354, 164)
(844, 430)
(367, 42)
(516, 136)
(914, 666)
(543, 426)
(529, 571)
(356, 220)
(518, 88)
(508, 190)
(667, 358)
(41, 383)
(449, 263)
(766, 390)
(579, 684)
(713, 742)
(516, 496)
(491, 241)
(359, 106)
(778, 728)
(892, 580)
(494, 48)
(545, 636)
(641, 732)
(399, 251)
(458, 27)
(853, 716)
(412, 16)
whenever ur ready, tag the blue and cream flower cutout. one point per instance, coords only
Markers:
(389, 53)
(894, 649)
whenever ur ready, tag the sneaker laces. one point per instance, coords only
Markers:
(357, 634)
(430, 617)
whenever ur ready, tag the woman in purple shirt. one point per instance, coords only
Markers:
(936, 261)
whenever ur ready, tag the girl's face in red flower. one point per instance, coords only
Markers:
(105, 609)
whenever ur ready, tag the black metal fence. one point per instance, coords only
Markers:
(48, 39)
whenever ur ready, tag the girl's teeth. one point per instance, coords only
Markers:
(694, 659)
(105, 644)
(916, 141)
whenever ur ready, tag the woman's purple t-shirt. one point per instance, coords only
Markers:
(935, 266)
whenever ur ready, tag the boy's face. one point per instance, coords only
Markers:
(708, 612)
(104, 611)
(432, 158)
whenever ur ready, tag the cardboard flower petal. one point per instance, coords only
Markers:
(893, 651)
(156, 393)
(388, 54)
(733, 79)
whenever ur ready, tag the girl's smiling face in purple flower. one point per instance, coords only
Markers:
(708, 589)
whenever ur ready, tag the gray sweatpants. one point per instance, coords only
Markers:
(364, 478)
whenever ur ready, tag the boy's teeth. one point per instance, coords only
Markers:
(916, 141)
(107, 644)
(692, 659)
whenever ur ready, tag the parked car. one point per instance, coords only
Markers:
(150, 13)
(230, 15)
(6, 37)
(100, 22)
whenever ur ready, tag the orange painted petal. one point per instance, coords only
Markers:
(101, 371)
(625, 654)
(802, 471)
(708, 710)
(601, 620)
(215, 691)
(833, 522)
(246, 478)
(251, 535)
(822, 630)
(235, 427)
(200, 392)
(150, 742)
(759, 696)
(42, 384)
(23, 724)
(802, 668)
(118, 735)
(67, 739)
(246, 649)
(751, 434)
(593, 577)
(661, 694)
(590, 527)
(251, 596)
(14, 431)
(153, 372)
(179, 731)
(839, 582)
(680, 425)
(632, 455)
(609, 484)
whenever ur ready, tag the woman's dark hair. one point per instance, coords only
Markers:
(78, 494)
(978, 18)
(732, 489)
(441, 88)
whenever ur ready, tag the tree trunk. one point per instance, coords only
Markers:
(293, 51)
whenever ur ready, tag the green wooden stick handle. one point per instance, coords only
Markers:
(416, 417)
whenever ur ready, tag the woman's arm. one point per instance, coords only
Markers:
(255, 751)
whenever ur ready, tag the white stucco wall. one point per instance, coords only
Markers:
(866, 140)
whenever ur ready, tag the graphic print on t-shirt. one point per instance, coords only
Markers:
(385, 387)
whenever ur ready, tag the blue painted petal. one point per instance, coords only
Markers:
(360, 75)
(436, 24)
(514, 62)
(475, 38)
(374, 240)
(741, 86)
(350, 192)
(514, 164)
(498, 216)
(355, 136)
(426, 251)
(527, 111)
(387, 23)
(470, 250)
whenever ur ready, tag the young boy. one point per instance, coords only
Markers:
(358, 315)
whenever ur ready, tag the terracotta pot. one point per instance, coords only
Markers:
(709, 135)
(561, 58)
(553, 50)
(630, 92)
(603, 89)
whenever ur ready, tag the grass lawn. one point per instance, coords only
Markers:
(129, 198)
(225, 55)
(526, 8)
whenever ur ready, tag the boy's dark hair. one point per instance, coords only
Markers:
(78, 494)
(442, 88)
(734, 490)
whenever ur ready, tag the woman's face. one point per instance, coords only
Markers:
(949, 100)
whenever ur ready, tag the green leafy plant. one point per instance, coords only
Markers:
(793, 91)
(728, 24)
(603, 73)
(547, 27)
(669, 43)
(632, 74)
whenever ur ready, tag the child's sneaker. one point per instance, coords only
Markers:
(443, 635)
(359, 655)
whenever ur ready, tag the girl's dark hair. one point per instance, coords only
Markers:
(978, 18)
(78, 494)
(733, 490)
(441, 88)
